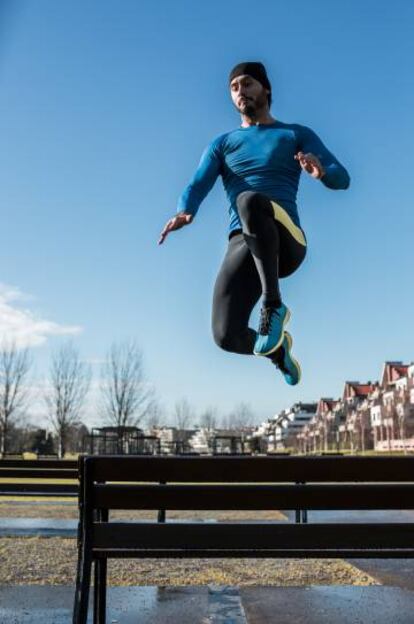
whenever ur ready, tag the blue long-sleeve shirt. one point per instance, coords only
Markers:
(260, 158)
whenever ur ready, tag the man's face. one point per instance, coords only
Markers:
(248, 94)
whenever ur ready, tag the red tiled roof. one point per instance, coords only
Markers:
(360, 389)
(394, 370)
(363, 389)
(402, 370)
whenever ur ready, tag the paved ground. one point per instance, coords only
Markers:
(328, 605)
(58, 527)
(391, 602)
(44, 527)
(217, 605)
(126, 605)
(391, 572)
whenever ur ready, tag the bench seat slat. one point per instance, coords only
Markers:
(250, 469)
(258, 497)
(235, 536)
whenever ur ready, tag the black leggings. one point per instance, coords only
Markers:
(269, 246)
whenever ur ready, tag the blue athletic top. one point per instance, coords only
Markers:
(260, 158)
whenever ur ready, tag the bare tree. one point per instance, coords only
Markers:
(183, 414)
(76, 437)
(14, 366)
(66, 392)
(241, 416)
(224, 421)
(155, 415)
(126, 396)
(208, 418)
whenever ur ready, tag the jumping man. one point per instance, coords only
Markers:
(260, 164)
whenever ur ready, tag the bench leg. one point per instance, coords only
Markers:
(83, 581)
(99, 595)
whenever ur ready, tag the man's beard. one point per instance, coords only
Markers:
(252, 108)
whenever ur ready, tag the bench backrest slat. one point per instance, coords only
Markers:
(30, 477)
(250, 469)
(175, 497)
(39, 463)
(38, 473)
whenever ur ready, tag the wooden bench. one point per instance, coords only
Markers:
(43, 470)
(235, 483)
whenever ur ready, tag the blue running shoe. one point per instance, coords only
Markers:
(287, 364)
(270, 334)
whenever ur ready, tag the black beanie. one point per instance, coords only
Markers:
(253, 69)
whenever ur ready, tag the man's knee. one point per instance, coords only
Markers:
(224, 339)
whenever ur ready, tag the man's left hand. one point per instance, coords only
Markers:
(311, 164)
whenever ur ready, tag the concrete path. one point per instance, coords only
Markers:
(51, 527)
(357, 516)
(126, 605)
(217, 605)
(392, 572)
(43, 527)
(328, 605)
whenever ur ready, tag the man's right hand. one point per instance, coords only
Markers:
(175, 223)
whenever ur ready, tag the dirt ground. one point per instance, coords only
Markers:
(44, 561)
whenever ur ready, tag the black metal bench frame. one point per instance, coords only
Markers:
(43, 470)
(235, 483)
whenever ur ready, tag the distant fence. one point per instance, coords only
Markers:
(395, 445)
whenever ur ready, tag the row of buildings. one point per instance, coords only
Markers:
(368, 416)
(373, 415)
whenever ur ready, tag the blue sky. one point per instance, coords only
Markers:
(105, 109)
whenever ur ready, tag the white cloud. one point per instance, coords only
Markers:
(22, 325)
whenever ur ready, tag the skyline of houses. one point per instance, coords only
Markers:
(376, 415)
(369, 416)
